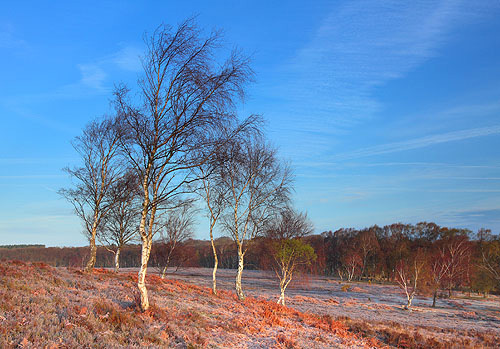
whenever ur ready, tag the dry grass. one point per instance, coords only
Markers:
(45, 307)
(395, 335)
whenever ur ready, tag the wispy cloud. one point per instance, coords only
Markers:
(420, 142)
(95, 79)
(343, 164)
(327, 89)
(20, 109)
(127, 58)
(9, 40)
(359, 46)
(34, 176)
(93, 76)
(32, 160)
(472, 218)
(424, 164)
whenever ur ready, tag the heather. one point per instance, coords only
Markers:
(41, 306)
(375, 309)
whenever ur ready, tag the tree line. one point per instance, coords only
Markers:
(423, 257)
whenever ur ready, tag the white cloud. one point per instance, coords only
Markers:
(128, 58)
(93, 76)
(328, 86)
(420, 142)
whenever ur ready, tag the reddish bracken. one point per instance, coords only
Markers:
(100, 309)
(41, 306)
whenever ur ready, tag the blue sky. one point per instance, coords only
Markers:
(389, 111)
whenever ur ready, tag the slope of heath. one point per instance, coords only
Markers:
(42, 306)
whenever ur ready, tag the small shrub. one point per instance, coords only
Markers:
(469, 315)
(346, 288)
(108, 313)
(283, 341)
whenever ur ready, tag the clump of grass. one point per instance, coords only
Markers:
(110, 314)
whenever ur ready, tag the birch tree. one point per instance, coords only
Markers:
(290, 224)
(351, 264)
(490, 258)
(408, 274)
(457, 251)
(440, 264)
(98, 148)
(211, 187)
(367, 245)
(289, 255)
(184, 96)
(176, 228)
(258, 185)
(120, 223)
(214, 196)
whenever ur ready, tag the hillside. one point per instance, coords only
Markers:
(59, 308)
(42, 306)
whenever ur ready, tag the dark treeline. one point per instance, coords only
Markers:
(448, 258)
(74, 257)
(190, 253)
(21, 246)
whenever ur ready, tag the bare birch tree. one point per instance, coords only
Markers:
(289, 224)
(98, 148)
(490, 259)
(176, 228)
(120, 223)
(368, 244)
(440, 265)
(408, 274)
(258, 185)
(351, 264)
(184, 96)
(211, 188)
(213, 195)
(457, 251)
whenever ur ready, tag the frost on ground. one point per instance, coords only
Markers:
(374, 309)
(41, 306)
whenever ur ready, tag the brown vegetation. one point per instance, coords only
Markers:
(403, 336)
(41, 306)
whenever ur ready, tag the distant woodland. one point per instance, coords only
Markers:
(448, 259)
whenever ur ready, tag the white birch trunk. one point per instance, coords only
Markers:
(117, 260)
(164, 272)
(93, 248)
(239, 290)
(281, 300)
(408, 304)
(141, 282)
(214, 272)
(145, 251)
